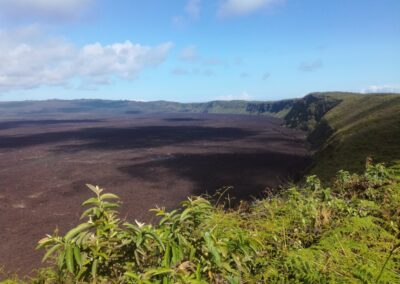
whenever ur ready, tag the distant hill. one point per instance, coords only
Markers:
(113, 108)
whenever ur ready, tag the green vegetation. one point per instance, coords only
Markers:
(364, 126)
(347, 233)
(344, 128)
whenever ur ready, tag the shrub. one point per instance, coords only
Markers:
(184, 248)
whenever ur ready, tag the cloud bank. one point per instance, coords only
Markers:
(29, 62)
(243, 96)
(382, 89)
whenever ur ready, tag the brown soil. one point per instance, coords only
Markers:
(146, 160)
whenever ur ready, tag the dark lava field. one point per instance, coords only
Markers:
(148, 160)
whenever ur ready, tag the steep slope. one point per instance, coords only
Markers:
(353, 127)
(278, 108)
(307, 112)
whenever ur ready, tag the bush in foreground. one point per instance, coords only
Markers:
(306, 234)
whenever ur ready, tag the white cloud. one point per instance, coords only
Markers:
(244, 7)
(244, 96)
(58, 10)
(29, 61)
(124, 60)
(193, 8)
(311, 65)
(382, 89)
(189, 54)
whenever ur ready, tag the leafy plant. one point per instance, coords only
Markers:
(183, 248)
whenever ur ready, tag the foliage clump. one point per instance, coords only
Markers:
(187, 246)
(310, 233)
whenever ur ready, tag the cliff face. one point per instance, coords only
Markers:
(278, 108)
(308, 112)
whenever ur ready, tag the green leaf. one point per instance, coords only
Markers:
(72, 233)
(139, 241)
(132, 275)
(87, 212)
(198, 272)
(82, 271)
(185, 214)
(108, 196)
(167, 256)
(110, 205)
(82, 238)
(60, 261)
(159, 271)
(212, 249)
(77, 255)
(157, 239)
(92, 200)
(69, 259)
(50, 252)
(94, 269)
(43, 242)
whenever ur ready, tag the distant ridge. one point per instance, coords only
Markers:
(123, 107)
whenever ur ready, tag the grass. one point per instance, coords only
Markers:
(359, 126)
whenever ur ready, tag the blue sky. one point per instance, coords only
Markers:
(197, 50)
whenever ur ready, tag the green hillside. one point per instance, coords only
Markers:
(353, 127)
